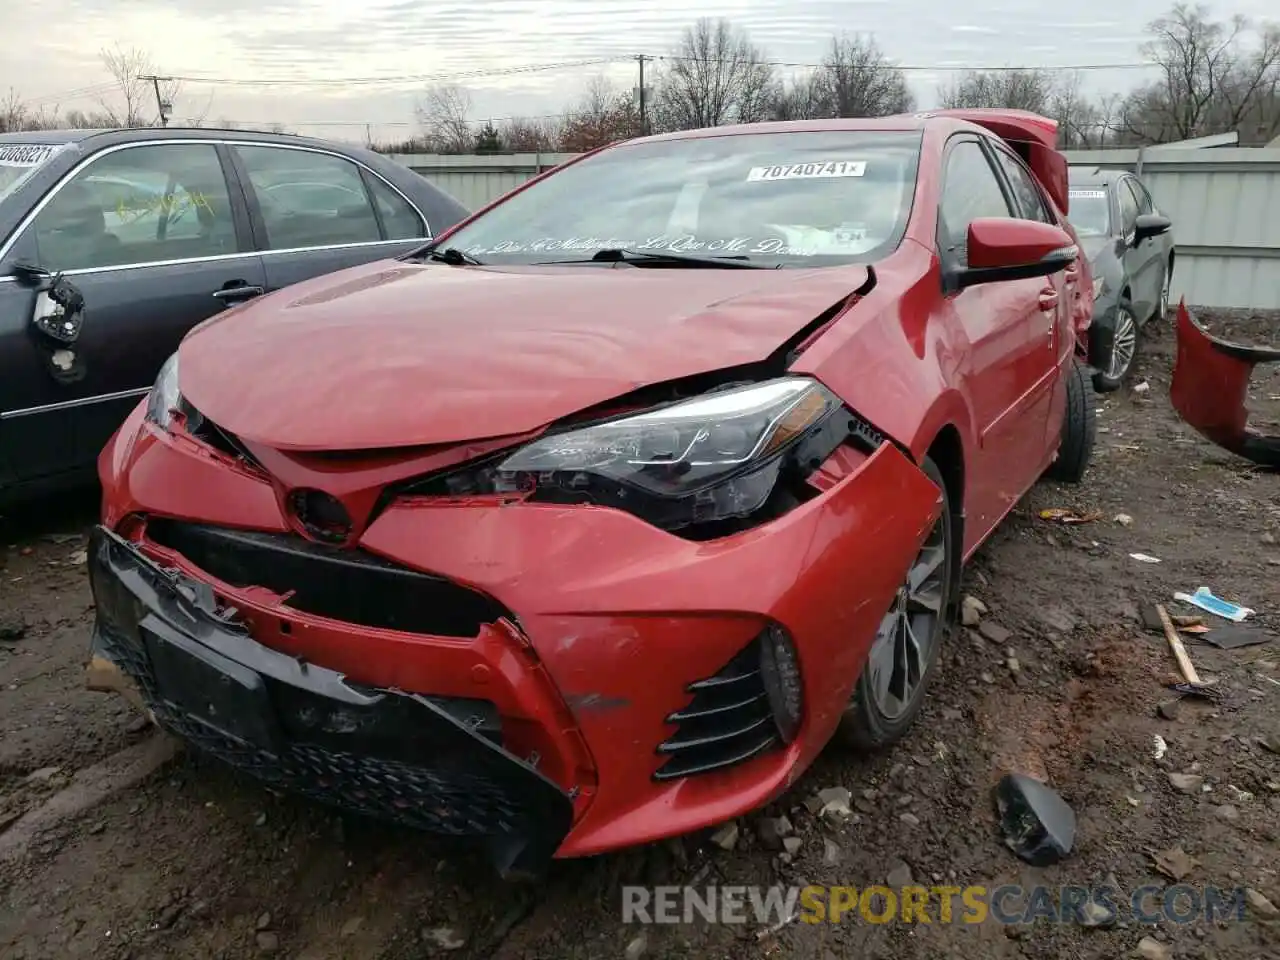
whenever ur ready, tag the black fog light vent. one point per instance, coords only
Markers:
(731, 716)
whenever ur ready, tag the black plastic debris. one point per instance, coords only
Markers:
(1037, 824)
(1234, 635)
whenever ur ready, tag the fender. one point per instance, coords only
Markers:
(902, 380)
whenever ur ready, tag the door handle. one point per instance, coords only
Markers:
(239, 292)
(1048, 299)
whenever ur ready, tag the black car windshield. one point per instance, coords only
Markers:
(1090, 210)
(777, 199)
(18, 161)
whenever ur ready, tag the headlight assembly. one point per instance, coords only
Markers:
(164, 395)
(715, 457)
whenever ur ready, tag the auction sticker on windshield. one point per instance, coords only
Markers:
(809, 171)
(24, 155)
(1086, 194)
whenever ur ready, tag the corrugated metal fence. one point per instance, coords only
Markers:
(1225, 204)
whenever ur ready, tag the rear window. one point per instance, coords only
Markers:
(19, 161)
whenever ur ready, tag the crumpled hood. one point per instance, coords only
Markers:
(392, 354)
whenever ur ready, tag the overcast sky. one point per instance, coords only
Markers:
(327, 46)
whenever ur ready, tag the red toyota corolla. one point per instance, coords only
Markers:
(594, 520)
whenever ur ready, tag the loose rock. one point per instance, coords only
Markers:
(994, 632)
(1186, 782)
(446, 938)
(1260, 904)
(264, 921)
(726, 838)
(1151, 949)
(1227, 812)
(352, 926)
(772, 830)
(637, 947)
(831, 852)
(1169, 709)
(899, 876)
(972, 610)
(792, 845)
(268, 942)
(1094, 914)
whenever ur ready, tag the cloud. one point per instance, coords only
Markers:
(314, 43)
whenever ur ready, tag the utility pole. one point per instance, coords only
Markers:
(644, 116)
(163, 107)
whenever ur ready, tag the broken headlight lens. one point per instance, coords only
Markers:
(164, 395)
(712, 458)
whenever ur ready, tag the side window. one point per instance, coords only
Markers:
(309, 199)
(399, 220)
(1128, 208)
(163, 201)
(970, 191)
(1025, 192)
(1144, 199)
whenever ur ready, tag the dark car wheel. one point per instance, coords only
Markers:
(891, 688)
(1117, 347)
(1079, 429)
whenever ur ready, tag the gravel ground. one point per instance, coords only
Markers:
(1060, 681)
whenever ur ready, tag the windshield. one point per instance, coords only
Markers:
(777, 199)
(18, 161)
(1090, 211)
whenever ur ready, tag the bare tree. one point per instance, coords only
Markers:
(443, 114)
(1082, 122)
(716, 75)
(134, 103)
(1013, 89)
(602, 115)
(798, 99)
(527, 135)
(856, 79)
(1209, 83)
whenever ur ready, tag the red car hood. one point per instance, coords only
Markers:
(392, 354)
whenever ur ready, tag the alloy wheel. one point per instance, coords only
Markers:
(1123, 344)
(904, 644)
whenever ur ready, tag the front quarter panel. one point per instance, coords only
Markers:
(892, 362)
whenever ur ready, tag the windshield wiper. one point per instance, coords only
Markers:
(618, 255)
(452, 256)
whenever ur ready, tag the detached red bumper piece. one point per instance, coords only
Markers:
(550, 679)
(1210, 388)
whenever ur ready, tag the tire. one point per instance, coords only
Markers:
(866, 724)
(1079, 429)
(1162, 305)
(1121, 334)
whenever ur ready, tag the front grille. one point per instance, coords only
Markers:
(444, 798)
(347, 585)
(727, 722)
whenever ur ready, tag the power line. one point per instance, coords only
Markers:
(403, 78)
(595, 61)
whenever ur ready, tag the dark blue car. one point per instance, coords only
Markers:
(115, 243)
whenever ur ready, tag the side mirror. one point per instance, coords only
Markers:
(1150, 225)
(1003, 248)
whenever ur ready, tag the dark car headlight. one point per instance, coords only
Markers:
(164, 396)
(715, 457)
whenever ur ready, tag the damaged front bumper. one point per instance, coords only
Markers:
(1210, 389)
(426, 762)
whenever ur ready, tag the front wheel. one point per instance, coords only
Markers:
(904, 654)
(1117, 349)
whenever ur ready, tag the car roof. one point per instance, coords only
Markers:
(903, 123)
(1093, 176)
(127, 134)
